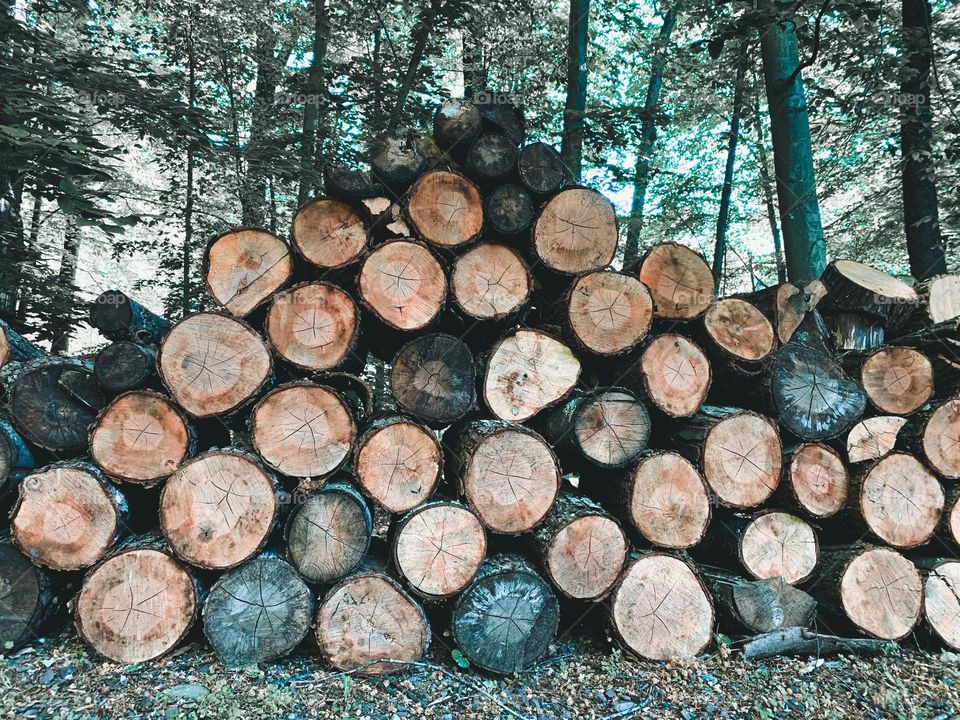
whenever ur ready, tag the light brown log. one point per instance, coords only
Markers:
(302, 430)
(679, 280)
(244, 267)
(329, 233)
(608, 313)
(853, 286)
(398, 463)
(140, 437)
(445, 209)
(432, 378)
(778, 544)
(739, 330)
(941, 298)
(674, 376)
(490, 282)
(314, 326)
(212, 364)
(527, 372)
(438, 548)
(934, 435)
(218, 509)
(576, 232)
(136, 606)
(818, 480)
(897, 380)
(661, 609)
(873, 438)
(901, 501)
(403, 284)
(941, 602)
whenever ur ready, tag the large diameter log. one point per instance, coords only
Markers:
(367, 624)
(738, 330)
(136, 605)
(541, 169)
(661, 610)
(119, 317)
(328, 533)
(941, 602)
(438, 548)
(403, 284)
(27, 599)
(576, 232)
(606, 427)
(398, 463)
(506, 472)
(673, 375)
(218, 509)
(608, 313)
(853, 286)
(778, 544)
(817, 480)
(896, 380)
(679, 279)
(505, 621)
(445, 209)
(329, 233)
(812, 396)
(257, 612)
(509, 210)
(15, 348)
(581, 547)
(16, 459)
(140, 437)
(491, 157)
(314, 326)
(302, 430)
(244, 267)
(397, 161)
(124, 365)
(213, 364)
(901, 501)
(760, 606)
(490, 282)
(432, 378)
(528, 371)
(68, 516)
(456, 122)
(934, 435)
(873, 438)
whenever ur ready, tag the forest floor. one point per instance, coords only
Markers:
(579, 680)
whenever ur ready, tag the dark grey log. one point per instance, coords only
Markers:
(855, 287)
(348, 183)
(119, 317)
(491, 157)
(541, 169)
(124, 365)
(432, 378)
(14, 347)
(457, 122)
(509, 210)
(854, 331)
(759, 606)
(500, 113)
(800, 641)
(16, 460)
(27, 599)
(397, 160)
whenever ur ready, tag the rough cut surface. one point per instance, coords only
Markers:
(897, 380)
(490, 281)
(586, 551)
(576, 232)
(667, 500)
(432, 378)
(777, 544)
(445, 209)
(244, 267)
(742, 459)
(609, 312)
(398, 464)
(941, 602)
(676, 374)
(313, 325)
(901, 500)
(611, 427)
(328, 233)
(881, 592)
(941, 439)
(739, 329)
(403, 284)
(819, 480)
(873, 438)
(679, 280)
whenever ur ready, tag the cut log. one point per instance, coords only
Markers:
(505, 621)
(738, 330)
(490, 282)
(777, 544)
(119, 317)
(800, 641)
(432, 378)
(213, 364)
(528, 371)
(27, 600)
(14, 348)
(541, 169)
(445, 209)
(314, 326)
(403, 284)
(354, 390)
(302, 430)
(608, 313)
(941, 602)
(140, 437)
(759, 606)
(257, 612)
(328, 533)
(854, 331)
(509, 210)
(901, 501)
(896, 380)
(673, 375)
(438, 548)
(739, 453)
(492, 157)
(366, 620)
(661, 610)
(218, 509)
(576, 232)
(606, 427)
(506, 472)
(501, 113)
(811, 395)
(818, 481)
(397, 161)
(934, 435)
(16, 459)
(679, 279)
(950, 523)
(853, 286)
(244, 267)
(786, 305)
(457, 122)
(350, 183)
(581, 547)
(398, 463)
(940, 298)
(122, 366)
(68, 516)
(873, 438)
(136, 606)
(329, 233)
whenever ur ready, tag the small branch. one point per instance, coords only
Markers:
(800, 641)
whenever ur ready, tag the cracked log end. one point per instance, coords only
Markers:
(541, 169)
(445, 209)
(819, 480)
(667, 501)
(611, 428)
(490, 282)
(398, 464)
(403, 284)
(941, 602)
(329, 233)
(897, 380)
(609, 313)
(313, 326)
(739, 330)
(941, 439)
(873, 438)
(491, 157)
(576, 232)
(881, 593)
(777, 544)
(742, 458)
(679, 279)
(509, 210)
(244, 267)
(676, 374)
(901, 501)
(457, 121)
(432, 378)
(124, 365)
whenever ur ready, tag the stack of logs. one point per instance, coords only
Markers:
(536, 432)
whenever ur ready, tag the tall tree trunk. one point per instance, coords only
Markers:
(188, 202)
(792, 151)
(921, 215)
(766, 185)
(61, 320)
(474, 71)
(257, 153)
(726, 192)
(311, 155)
(23, 302)
(11, 223)
(648, 136)
(571, 147)
(420, 35)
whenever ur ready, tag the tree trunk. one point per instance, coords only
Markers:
(186, 252)
(432, 378)
(119, 317)
(759, 606)
(896, 380)
(490, 282)
(28, 599)
(122, 366)
(244, 267)
(576, 232)
(578, 39)
(420, 35)
(311, 145)
(14, 348)
(491, 158)
(800, 641)
(61, 325)
(738, 332)
(855, 287)
(456, 123)
(777, 544)
(901, 501)
(766, 185)
(816, 482)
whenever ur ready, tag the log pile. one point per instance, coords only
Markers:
(543, 432)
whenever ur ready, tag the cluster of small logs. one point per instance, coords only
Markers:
(439, 400)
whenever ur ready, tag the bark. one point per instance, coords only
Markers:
(759, 606)
(766, 185)
(800, 641)
(29, 599)
(60, 321)
(16, 459)
(311, 145)
(119, 317)
(576, 103)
